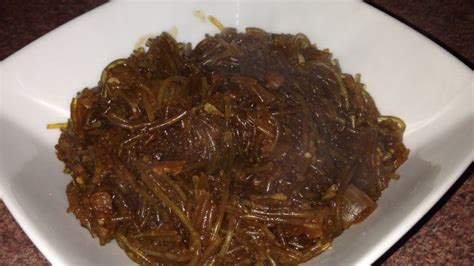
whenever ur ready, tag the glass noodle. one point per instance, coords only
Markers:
(250, 148)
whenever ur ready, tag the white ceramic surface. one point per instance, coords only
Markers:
(408, 75)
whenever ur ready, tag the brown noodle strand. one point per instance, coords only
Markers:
(252, 148)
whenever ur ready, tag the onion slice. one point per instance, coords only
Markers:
(356, 206)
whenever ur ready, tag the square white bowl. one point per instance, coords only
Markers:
(407, 75)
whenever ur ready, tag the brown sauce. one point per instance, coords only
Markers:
(251, 148)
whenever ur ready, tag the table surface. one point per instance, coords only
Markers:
(443, 235)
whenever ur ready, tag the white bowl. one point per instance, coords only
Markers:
(408, 76)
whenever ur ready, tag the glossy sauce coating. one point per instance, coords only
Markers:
(251, 148)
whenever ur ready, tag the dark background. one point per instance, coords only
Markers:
(444, 235)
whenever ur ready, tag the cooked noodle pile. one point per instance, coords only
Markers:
(251, 148)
